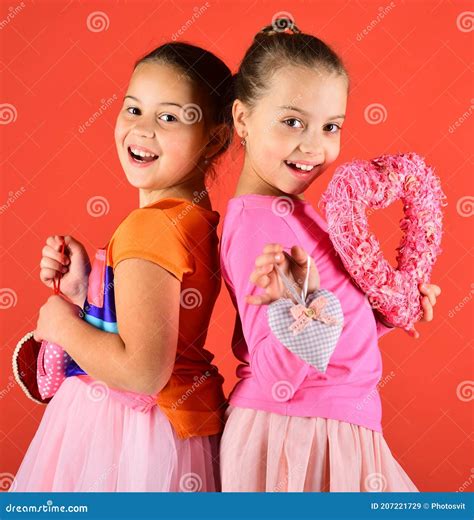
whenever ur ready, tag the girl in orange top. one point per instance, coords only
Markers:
(142, 406)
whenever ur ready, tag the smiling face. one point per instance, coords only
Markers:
(161, 133)
(292, 132)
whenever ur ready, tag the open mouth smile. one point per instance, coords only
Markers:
(301, 169)
(140, 156)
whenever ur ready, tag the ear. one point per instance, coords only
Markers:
(217, 139)
(239, 115)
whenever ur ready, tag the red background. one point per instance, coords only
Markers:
(414, 61)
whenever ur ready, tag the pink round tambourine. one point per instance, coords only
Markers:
(359, 185)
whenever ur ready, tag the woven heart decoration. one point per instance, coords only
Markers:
(310, 328)
(359, 186)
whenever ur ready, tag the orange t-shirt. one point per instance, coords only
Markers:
(180, 237)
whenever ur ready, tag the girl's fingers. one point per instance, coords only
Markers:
(427, 309)
(431, 297)
(47, 275)
(269, 258)
(262, 281)
(52, 265)
(301, 257)
(273, 248)
(430, 290)
(261, 299)
(50, 252)
(258, 272)
(55, 241)
(413, 333)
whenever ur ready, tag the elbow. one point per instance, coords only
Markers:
(147, 367)
(151, 384)
(143, 385)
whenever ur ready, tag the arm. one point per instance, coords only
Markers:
(271, 363)
(141, 357)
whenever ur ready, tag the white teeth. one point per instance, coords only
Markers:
(141, 153)
(304, 167)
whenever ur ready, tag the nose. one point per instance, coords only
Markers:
(312, 146)
(144, 128)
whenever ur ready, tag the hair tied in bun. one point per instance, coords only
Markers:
(281, 24)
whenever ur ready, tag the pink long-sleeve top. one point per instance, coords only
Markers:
(272, 378)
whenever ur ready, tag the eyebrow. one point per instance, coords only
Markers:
(296, 109)
(162, 103)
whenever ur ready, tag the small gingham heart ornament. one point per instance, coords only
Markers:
(311, 328)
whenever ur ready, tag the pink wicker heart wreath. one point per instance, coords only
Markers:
(376, 184)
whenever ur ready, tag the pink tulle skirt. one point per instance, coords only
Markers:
(90, 441)
(265, 451)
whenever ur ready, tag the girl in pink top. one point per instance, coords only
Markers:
(289, 426)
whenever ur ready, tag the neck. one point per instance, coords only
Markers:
(250, 182)
(192, 189)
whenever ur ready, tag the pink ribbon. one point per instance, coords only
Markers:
(315, 311)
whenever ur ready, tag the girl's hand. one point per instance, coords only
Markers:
(266, 276)
(430, 293)
(74, 266)
(53, 316)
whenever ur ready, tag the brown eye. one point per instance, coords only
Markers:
(337, 128)
(292, 122)
(134, 111)
(168, 118)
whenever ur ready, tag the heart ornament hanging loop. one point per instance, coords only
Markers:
(309, 326)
